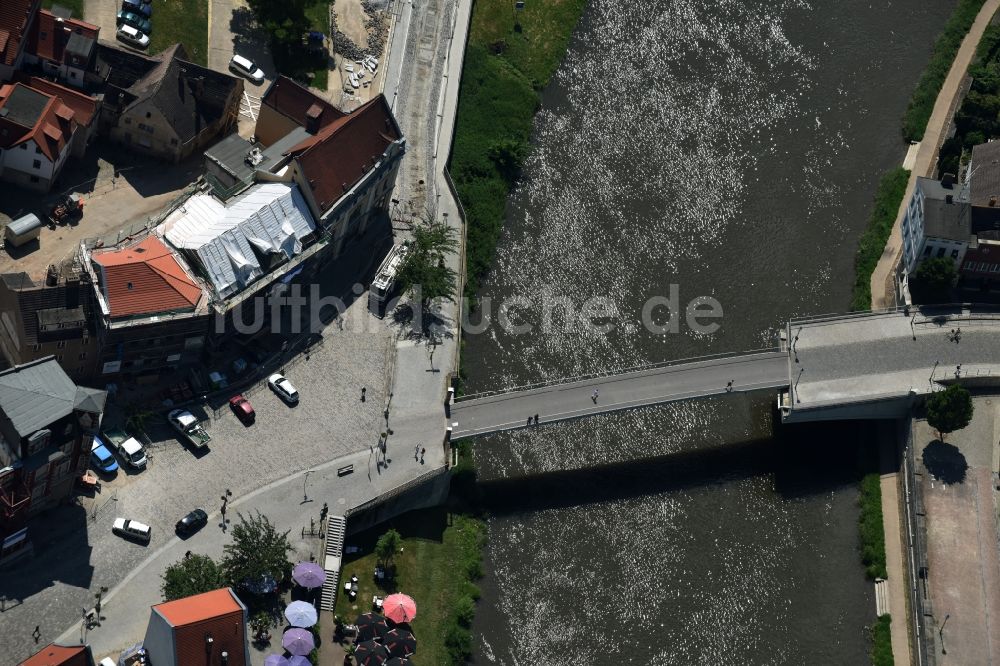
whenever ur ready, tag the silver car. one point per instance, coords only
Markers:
(280, 385)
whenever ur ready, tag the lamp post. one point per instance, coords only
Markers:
(941, 633)
(305, 481)
(97, 606)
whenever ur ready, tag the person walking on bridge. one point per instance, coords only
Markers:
(594, 396)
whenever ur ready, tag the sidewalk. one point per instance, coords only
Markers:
(926, 161)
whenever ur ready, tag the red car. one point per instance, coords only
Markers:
(242, 408)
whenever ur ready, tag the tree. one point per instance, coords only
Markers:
(387, 546)
(192, 575)
(284, 21)
(933, 280)
(257, 554)
(949, 410)
(508, 155)
(424, 272)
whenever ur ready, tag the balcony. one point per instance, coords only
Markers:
(14, 501)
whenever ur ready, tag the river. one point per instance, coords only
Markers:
(725, 149)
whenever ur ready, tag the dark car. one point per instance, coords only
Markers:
(138, 6)
(137, 21)
(192, 522)
(243, 409)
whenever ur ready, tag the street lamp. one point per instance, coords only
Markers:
(305, 480)
(941, 633)
(97, 606)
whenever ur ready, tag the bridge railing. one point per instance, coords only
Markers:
(951, 310)
(616, 372)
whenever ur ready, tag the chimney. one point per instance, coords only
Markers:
(312, 118)
(947, 180)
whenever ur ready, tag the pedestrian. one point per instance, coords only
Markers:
(363, 389)
(187, 555)
(422, 452)
(536, 419)
(729, 386)
(594, 396)
(37, 633)
(529, 420)
(416, 452)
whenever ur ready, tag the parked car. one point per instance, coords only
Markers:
(191, 523)
(132, 37)
(245, 67)
(127, 447)
(101, 458)
(132, 530)
(242, 408)
(188, 425)
(137, 21)
(280, 385)
(138, 7)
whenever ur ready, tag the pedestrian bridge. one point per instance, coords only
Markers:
(854, 366)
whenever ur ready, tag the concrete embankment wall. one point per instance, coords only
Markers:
(426, 491)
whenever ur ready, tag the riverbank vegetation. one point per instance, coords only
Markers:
(510, 56)
(947, 45)
(978, 118)
(870, 526)
(888, 198)
(439, 559)
(882, 641)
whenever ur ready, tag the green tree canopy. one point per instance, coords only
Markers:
(949, 410)
(424, 271)
(284, 21)
(933, 280)
(192, 575)
(387, 546)
(258, 552)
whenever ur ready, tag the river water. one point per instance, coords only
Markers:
(725, 149)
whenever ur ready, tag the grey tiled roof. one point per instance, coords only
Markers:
(36, 394)
(985, 173)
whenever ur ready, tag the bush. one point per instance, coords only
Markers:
(933, 280)
(870, 527)
(882, 641)
(922, 102)
(465, 610)
(458, 642)
(888, 198)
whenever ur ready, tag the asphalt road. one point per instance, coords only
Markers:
(507, 411)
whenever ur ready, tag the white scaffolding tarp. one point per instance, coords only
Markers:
(271, 218)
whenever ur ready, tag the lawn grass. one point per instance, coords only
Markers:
(922, 102)
(503, 71)
(318, 14)
(882, 642)
(871, 528)
(184, 21)
(871, 245)
(75, 6)
(441, 555)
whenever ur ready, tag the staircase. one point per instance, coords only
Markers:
(335, 528)
(881, 597)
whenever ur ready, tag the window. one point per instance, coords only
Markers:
(37, 164)
(82, 356)
(59, 358)
(940, 252)
(61, 344)
(146, 128)
(34, 348)
(72, 75)
(149, 115)
(927, 251)
(954, 254)
(24, 146)
(34, 179)
(173, 142)
(38, 150)
(42, 34)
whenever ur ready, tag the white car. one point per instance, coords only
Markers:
(132, 37)
(372, 60)
(349, 67)
(245, 67)
(132, 530)
(353, 78)
(371, 66)
(280, 385)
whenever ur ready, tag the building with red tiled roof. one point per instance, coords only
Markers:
(36, 135)
(145, 279)
(58, 655)
(287, 105)
(206, 629)
(16, 20)
(62, 46)
(152, 311)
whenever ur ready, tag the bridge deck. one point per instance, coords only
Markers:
(507, 411)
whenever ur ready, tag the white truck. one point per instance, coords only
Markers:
(127, 447)
(187, 425)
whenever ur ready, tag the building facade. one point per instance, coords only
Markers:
(47, 428)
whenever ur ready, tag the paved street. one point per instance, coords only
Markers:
(230, 30)
(506, 411)
(102, 13)
(963, 545)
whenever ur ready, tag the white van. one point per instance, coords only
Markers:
(132, 529)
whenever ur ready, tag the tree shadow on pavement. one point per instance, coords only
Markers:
(945, 461)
